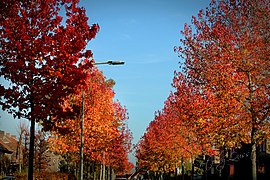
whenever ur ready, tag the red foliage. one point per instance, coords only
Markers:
(42, 56)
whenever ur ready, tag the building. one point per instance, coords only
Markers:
(9, 156)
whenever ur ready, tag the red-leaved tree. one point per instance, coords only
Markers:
(42, 57)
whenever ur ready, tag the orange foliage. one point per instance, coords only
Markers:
(221, 98)
(104, 121)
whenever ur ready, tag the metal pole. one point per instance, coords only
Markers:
(82, 139)
(32, 141)
(82, 121)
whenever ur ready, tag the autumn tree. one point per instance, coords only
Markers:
(226, 54)
(42, 158)
(104, 136)
(41, 147)
(42, 58)
(175, 136)
(22, 130)
(117, 153)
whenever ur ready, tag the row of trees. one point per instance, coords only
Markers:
(107, 138)
(221, 96)
(44, 60)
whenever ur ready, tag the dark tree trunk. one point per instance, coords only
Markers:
(31, 145)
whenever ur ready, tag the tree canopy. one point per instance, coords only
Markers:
(221, 96)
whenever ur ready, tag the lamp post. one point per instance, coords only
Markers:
(110, 63)
(82, 120)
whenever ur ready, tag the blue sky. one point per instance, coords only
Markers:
(142, 33)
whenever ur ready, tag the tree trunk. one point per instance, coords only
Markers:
(253, 160)
(253, 130)
(110, 172)
(94, 170)
(31, 145)
(100, 174)
(175, 173)
(183, 171)
(192, 169)
(103, 171)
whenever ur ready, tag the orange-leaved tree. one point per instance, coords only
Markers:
(104, 119)
(226, 55)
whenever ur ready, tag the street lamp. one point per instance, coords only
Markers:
(110, 63)
(82, 120)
